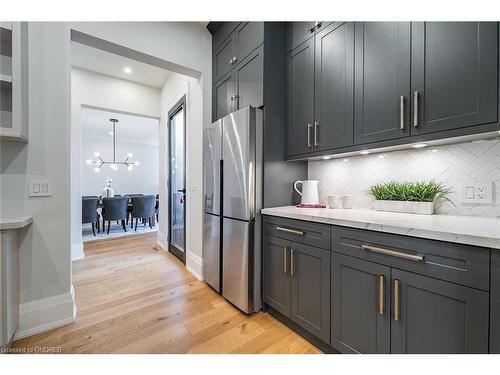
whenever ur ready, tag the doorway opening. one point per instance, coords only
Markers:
(177, 179)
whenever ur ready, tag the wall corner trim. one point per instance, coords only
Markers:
(46, 314)
(77, 252)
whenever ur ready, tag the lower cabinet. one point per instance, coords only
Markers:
(360, 306)
(297, 284)
(378, 309)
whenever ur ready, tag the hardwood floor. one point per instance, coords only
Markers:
(133, 297)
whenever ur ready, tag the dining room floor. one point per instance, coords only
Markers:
(115, 231)
(133, 297)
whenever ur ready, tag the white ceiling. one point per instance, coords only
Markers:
(103, 62)
(96, 125)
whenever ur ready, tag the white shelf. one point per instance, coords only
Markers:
(5, 78)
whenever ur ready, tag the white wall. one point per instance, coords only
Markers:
(143, 179)
(93, 89)
(174, 89)
(45, 282)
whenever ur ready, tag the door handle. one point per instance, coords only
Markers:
(292, 261)
(316, 125)
(284, 259)
(402, 112)
(182, 191)
(381, 290)
(415, 109)
(398, 254)
(309, 127)
(395, 293)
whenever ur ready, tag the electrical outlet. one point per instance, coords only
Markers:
(479, 192)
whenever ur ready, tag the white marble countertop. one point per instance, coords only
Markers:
(470, 230)
(15, 223)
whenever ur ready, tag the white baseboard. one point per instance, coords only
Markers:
(77, 251)
(194, 264)
(46, 314)
(162, 240)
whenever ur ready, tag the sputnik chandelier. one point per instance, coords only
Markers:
(99, 162)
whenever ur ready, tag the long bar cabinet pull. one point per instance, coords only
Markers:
(395, 293)
(284, 259)
(381, 290)
(402, 112)
(292, 231)
(309, 127)
(415, 109)
(316, 125)
(397, 254)
(292, 262)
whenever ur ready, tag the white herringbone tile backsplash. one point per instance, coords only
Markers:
(453, 165)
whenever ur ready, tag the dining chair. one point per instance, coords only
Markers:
(90, 214)
(143, 208)
(157, 207)
(114, 208)
(129, 208)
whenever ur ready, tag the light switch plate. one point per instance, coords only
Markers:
(479, 192)
(40, 187)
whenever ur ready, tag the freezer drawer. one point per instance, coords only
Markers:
(212, 155)
(211, 251)
(237, 258)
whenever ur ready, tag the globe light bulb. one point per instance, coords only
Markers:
(97, 169)
(136, 163)
(97, 154)
(130, 167)
(130, 155)
(89, 161)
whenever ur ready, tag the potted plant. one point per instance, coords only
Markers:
(408, 197)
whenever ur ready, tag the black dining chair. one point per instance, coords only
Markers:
(90, 214)
(143, 208)
(90, 196)
(114, 209)
(129, 208)
(157, 207)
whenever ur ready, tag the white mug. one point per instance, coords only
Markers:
(335, 201)
(309, 191)
(347, 201)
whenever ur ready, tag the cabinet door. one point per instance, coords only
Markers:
(276, 277)
(437, 316)
(249, 35)
(300, 98)
(223, 96)
(454, 71)
(297, 33)
(223, 58)
(495, 303)
(382, 81)
(310, 275)
(250, 80)
(360, 305)
(333, 85)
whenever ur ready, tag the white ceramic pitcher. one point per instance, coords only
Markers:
(309, 191)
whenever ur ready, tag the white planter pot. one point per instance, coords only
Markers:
(422, 208)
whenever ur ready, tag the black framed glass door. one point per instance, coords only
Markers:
(177, 179)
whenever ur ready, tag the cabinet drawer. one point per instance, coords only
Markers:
(313, 234)
(462, 264)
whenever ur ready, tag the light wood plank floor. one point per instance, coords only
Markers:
(132, 297)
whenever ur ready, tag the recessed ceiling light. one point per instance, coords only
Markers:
(346, 159)
(419, 145)
(127, 70)
(364, 152)
(326, 157)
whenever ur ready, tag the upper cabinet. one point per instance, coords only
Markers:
(454, 75)
(382, 81)
(237, 67)
(379, 84)
(14, 81)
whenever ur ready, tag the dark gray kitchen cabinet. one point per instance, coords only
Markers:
(300, 98)
(249, 35)
(310, 278)
(382, 81)
(333, 85)
(223, 58)
(276, 279)
(495, 303)
(434, 316)
(250, 80)
(223, 96)
(297, 33)
(360, 306)
(454, 75)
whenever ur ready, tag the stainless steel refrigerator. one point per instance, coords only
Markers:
(233, 199)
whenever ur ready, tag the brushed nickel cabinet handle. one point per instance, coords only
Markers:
(395, 293)
(402, 112)
(292, 262)
(397, 254)
(415, 109)
(284, 259)
(316, 125)
(381, 290)
(308, 126)
(288, 230)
